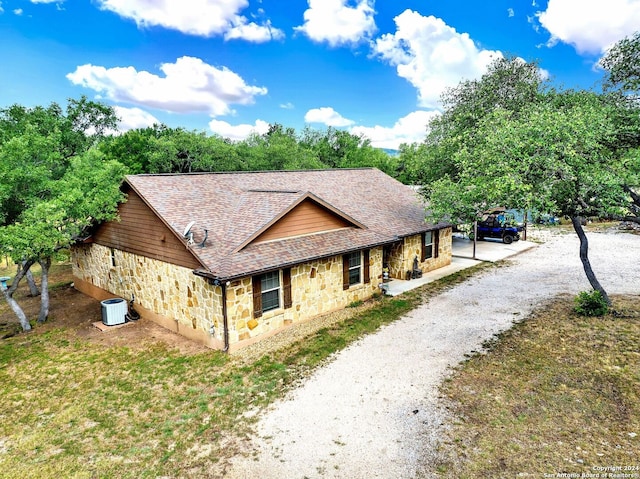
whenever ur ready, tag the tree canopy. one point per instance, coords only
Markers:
(160, 149)
(55, 184)
(527, 146)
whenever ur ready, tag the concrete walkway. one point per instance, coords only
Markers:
(462, 258)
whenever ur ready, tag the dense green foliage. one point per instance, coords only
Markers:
(591, 303)
(160, 149)
(508, 139)
(54, 184)
(622, 64)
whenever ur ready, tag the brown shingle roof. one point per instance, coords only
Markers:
(233, 207)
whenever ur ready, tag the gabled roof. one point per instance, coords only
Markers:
(238, 207)
(298, 201)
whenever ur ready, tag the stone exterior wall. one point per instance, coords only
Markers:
(175, 298)
(188, 304)
(169, 292)
(316, 289)
(411, 247)
(396, 261)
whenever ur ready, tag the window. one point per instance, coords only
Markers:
(430, 244)
(355, 261)
(112, 255)
(354, 269)
(270, 288)
(266, 291)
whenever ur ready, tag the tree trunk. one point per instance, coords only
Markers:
(44, 295)
(15, 307)
(33, 288)
(13, 304)
(584, 251)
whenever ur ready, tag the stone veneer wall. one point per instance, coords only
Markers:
(316, 288)
(402, 259)
(396, 261)
(170, 293)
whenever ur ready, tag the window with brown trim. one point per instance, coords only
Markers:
(270, 289)
(266, 291)
(351, 269)
(429, 245)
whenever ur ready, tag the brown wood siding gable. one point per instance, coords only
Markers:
(141, 232)
(308, 217)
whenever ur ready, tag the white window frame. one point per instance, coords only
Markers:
(277, 288)
(353, 268)
(428, 246)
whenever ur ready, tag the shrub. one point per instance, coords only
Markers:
(591, 303)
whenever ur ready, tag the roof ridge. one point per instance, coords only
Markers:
(233, 172)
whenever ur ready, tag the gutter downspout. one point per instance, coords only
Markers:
(225, 321)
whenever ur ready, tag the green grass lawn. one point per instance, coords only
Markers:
(76, 408)
(556, 389)
(557, 394)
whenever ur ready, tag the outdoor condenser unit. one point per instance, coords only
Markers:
(114, 311)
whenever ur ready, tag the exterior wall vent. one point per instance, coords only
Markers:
(114, 311)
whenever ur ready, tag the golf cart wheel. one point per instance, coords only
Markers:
(507, 239)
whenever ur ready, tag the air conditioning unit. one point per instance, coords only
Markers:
(114, 311)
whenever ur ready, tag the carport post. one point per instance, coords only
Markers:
(475, 237)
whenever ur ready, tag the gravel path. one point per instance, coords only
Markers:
(373, 411)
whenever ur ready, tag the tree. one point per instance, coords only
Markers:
(551, 156)
(340, 149)
(54, 185)
(132, 148)
(509, 84)
(622, 83)
(277, 149)
(622, 64)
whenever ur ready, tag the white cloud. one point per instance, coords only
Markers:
(133, 118)
(511, 12)
(431, 55)
(590, 27)
(409, 129)
(188, 86)
(252, 32)
(194, 17)
(327, 116)
(287, 106)
(238, 132)
(334, 22)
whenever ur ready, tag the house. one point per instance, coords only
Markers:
(229, 258)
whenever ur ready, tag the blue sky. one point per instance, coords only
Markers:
(230, 67)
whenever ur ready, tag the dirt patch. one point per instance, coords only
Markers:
(75, 313)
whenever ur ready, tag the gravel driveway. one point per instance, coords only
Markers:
(373, 411)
